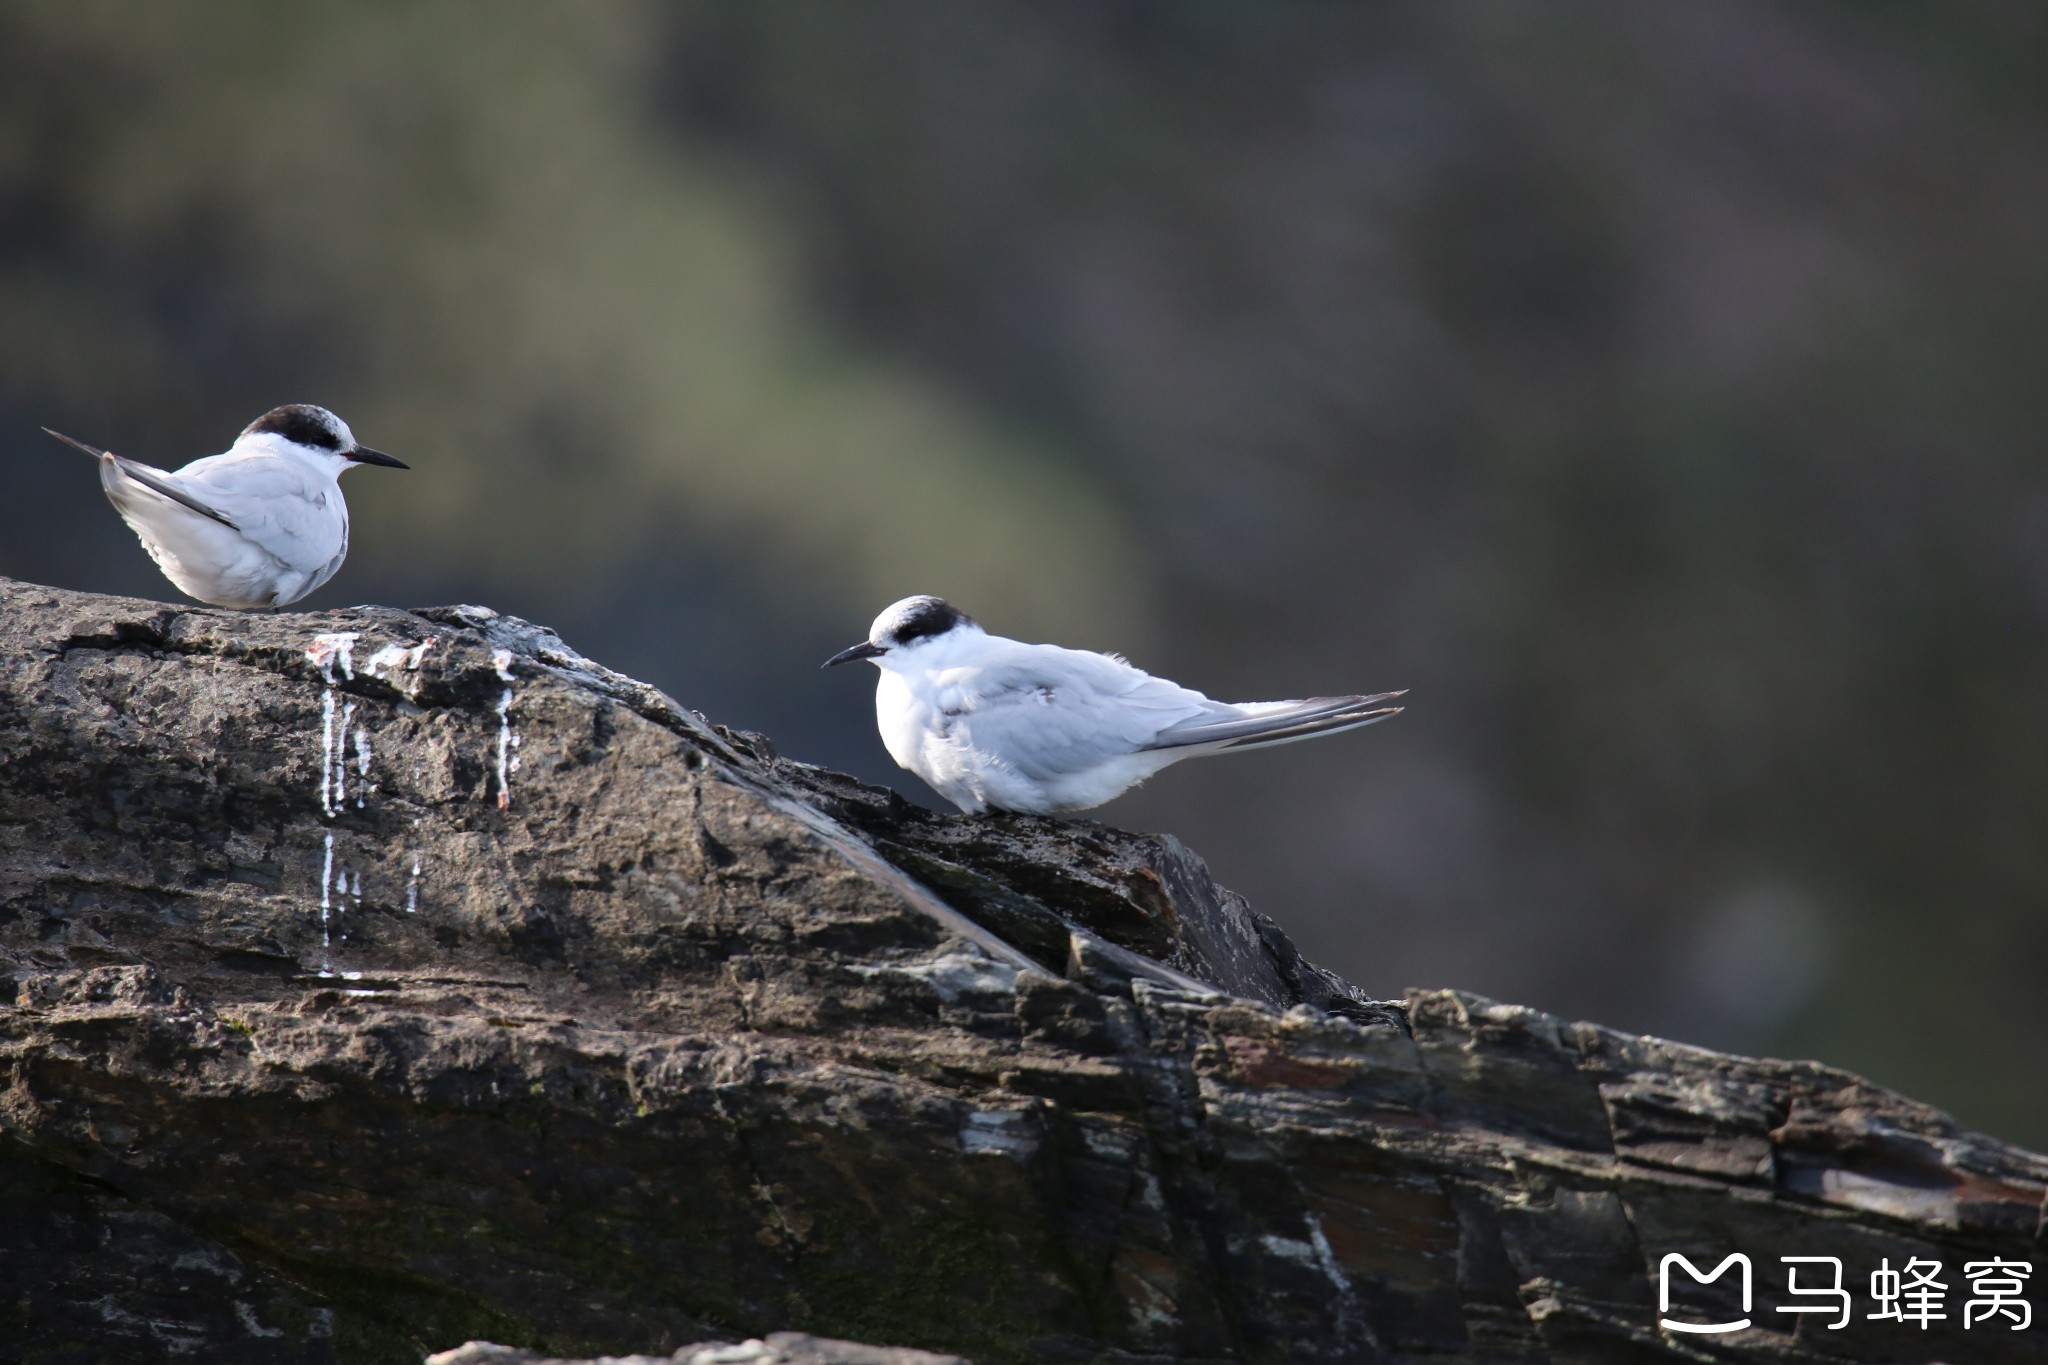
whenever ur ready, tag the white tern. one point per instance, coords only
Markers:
(1046, 730)
(259, 526)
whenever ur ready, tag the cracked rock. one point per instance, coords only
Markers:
(373, 981)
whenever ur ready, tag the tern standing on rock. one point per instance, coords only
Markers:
(259, 526)
(1048, 731)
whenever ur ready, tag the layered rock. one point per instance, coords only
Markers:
(375, 980)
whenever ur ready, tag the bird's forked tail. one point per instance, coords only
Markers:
(113, 467)
(1277, 722)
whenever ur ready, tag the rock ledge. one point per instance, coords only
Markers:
(375, 980)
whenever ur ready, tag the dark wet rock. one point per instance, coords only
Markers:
(359, 997)
(1042, 883)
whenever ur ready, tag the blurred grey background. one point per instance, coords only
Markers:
(1655, 390)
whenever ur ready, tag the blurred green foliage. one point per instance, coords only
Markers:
(1654, 390)
(473, 222)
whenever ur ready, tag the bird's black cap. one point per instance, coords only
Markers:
(304, 423)
(920, 618)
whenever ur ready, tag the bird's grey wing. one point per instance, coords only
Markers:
(151, 478)
(1050, 712)
(159, 482)
(1248, 726)
(276, 504)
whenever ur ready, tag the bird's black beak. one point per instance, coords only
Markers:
(365, 455)
(863, 650)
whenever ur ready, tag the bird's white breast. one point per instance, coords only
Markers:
(921, 736)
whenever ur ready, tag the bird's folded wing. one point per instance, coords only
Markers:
(1056, 712)
(167, 486)
(1234, 727)
(288, 511)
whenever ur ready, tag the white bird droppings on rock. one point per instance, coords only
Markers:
(327, 906)
(335, 650)
(394, 658)
(363, 784)
(508, 738)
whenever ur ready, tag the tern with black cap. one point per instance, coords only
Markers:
(258, 526)
(990, 722)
